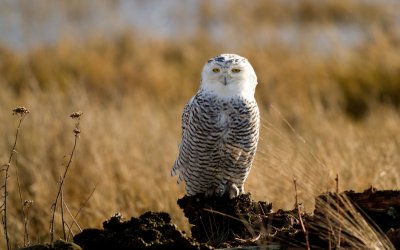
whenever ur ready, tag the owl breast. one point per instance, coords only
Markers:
(223, 119)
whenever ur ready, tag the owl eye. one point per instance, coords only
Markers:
(235, 70)
(215, 70)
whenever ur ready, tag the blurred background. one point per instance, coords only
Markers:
(329, 95)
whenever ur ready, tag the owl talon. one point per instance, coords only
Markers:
(233, 191)
(218, 191)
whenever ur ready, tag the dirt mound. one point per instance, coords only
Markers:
(222, 222)
(243, 222)
(150, 231)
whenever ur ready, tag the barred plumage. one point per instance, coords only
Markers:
(220, 129)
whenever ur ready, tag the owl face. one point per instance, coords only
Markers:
(229, 75)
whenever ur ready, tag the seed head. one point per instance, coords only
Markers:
(76, 115)
(20, 111)
(28, 203)
(77, 131)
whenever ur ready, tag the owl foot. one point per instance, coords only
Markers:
(216, 191)
(233, 191)
(230, 189)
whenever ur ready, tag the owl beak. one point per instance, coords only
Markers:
(225, 81)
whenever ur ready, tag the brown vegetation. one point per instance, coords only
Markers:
(322, 113)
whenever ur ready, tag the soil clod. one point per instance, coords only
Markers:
(152, 230)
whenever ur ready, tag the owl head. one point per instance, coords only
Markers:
(229, 75)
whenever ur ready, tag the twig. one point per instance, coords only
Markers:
(4, 207)
(245, 223)
(26, 206)
(224, 214)
(338, 210)
(20, 112)
(20, 199)
(79, 210)
(72, 223)
(205, 229)
(62, 214)
(299, 214)
(76, 116)
(69, 229)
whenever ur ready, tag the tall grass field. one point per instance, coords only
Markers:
(324, 112)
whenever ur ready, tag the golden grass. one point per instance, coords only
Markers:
(132, 92)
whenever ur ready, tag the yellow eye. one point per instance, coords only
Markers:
(235, 70)
(215, 70)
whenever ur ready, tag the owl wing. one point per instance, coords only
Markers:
(186, 115)
(182, 157)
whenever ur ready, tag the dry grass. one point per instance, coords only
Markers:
(321, 116)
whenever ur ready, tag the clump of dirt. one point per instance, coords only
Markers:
(152, 230)
(382, 207)
(223, 222)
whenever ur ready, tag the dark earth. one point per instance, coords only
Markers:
(242, 222)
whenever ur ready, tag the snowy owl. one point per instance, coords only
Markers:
(220, 129)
